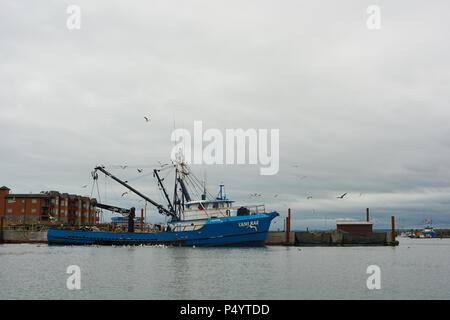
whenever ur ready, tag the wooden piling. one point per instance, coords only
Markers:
(288, 226)
(393, 228)
(393, 241)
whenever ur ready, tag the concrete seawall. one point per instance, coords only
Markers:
(23, 236)
(329, 238)
(279, 238)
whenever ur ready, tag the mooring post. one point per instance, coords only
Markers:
(393, 228)
(288, 226)
(367, 214)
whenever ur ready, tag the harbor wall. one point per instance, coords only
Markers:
(21, 236)
(329, 238)
(372, 238)
(279, 238)
(306, 238)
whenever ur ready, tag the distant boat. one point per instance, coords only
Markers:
(428, 230)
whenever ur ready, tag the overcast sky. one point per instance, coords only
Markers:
(359, 111)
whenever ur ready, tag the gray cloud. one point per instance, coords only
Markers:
(361, 111)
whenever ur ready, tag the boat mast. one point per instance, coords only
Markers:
(175, 195)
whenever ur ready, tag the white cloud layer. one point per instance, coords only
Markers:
(361, 111)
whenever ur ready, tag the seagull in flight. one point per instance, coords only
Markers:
(309, 197)
(147, 119)
(124, 193)
(140, 170)
(123, 167)
(342, 196)
(162, 164)
(85, 186)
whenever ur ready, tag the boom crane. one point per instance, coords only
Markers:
(155, 173)
(160, 207)
(130, 213)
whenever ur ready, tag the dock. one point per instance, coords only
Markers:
(347, 233)
(329, 238)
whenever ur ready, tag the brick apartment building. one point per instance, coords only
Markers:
(47, 207)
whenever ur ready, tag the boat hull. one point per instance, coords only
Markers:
(225, 231)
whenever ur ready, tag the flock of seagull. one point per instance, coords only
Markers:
(295, 165)
(309, 196)
(140, 170)
(301, 178)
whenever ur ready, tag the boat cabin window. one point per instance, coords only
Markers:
(215, 205)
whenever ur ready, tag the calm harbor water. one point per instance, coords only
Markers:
(417, 269)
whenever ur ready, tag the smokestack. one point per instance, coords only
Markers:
(367, 214)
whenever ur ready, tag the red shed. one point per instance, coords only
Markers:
(354, 226)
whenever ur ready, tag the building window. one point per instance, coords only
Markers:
(57, 200)
(11, 201)
(56, 211)
(33, 210)
(9, 210)
(33, 201)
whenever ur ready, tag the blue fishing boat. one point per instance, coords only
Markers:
(207, 221)
(428, 230)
